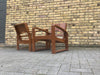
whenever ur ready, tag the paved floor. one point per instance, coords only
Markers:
(76, 61)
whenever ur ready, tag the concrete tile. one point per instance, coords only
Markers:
(86, 73)
(81, 70)
(72, 62)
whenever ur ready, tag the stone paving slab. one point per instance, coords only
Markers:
(76, 61)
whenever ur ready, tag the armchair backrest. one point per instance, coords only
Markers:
(62, 25)
(22, 29)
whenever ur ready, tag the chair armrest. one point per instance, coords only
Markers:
(60, 28)
(44, 30)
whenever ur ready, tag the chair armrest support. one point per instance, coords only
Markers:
(65, 32)
(44, 30)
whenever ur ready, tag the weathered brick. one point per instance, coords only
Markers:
(82, 16)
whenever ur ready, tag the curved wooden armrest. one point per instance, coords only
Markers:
(61, 29)
(45, 30)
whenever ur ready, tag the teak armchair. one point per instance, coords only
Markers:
(51, 37)
(23, 32)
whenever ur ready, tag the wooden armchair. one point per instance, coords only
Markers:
(23, 35)
(51, 37)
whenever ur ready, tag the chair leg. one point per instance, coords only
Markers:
(30, 46)
(33, 46)
(33, 40)
(47, 44)
(66, 43)
(17, 46)
(53, 47)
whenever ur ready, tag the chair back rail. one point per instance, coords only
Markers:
(62, 25)
(21, 29)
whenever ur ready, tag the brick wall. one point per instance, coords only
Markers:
(82, 17)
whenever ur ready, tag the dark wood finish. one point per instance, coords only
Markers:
(51, 38)
(33, 40)
(20, 30)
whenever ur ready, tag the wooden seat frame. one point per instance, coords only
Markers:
(21, 29)
(50, 38)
